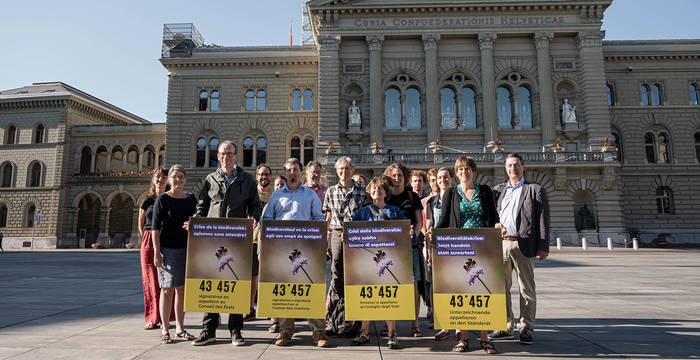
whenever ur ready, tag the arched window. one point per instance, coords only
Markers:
(413, 109)
(656, 95)
(697, 146)
(657, 148)
(302, 149)
(29, 218)
(11, 135)
(524, 107)
(213, 151)
(132, 159)
(214, 101)
(85, 160)
(296, 100)
(254, 150)
(161, 156)
(694, 94)
(116, 161)
(448, 108)
(260, 100)
(260, 151)
(149, 158)
(505, 114)
(611, 94)
(203, 100)
(308, 99)
(617, 143)
(6, 174)
(248, 151)
(249, 100)
(645, 91)
(201, 152)
(3, 215)
(392, 108)
(469, 108)
(664, 200)
(34, 179)
(101, 159)
(39, 134)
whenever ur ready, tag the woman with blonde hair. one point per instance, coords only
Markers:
(170, 211)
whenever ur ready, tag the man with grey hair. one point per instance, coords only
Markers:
(342, 200)
(313, 179)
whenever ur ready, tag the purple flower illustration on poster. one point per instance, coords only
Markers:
(298, 261)
(383, 263)
(225, 259)
(474, 273)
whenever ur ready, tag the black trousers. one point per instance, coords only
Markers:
(211, 322)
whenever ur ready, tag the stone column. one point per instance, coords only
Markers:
(432, 98)
(376, 95)
(592, 110)
(92, 162)
(488, 86)
(544, 75)
(328, 92)
(460, 116)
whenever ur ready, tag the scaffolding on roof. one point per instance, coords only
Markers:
(179, 39)
(307, 37)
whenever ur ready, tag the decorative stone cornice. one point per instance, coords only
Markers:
(650, 57)
(486, 40)
(430, 41)
(374, 42)
(331, 43)
(20, 104)
(542, 39)
(94, 113)
(590, 39)
(202, 63)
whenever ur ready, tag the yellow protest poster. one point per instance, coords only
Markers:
(292, 269)
(219, 265)
(378, 270)
(468, 279)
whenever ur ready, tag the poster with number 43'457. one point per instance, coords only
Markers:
(468, 279)
(219, 265)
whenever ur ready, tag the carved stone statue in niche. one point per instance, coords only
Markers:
(568, 113)
(354, 115)
(585, 220)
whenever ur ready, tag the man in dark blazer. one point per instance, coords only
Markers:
(524, 213)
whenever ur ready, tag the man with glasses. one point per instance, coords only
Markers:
(296, 202)
(228, 192)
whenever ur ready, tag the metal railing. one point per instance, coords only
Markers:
(180, 36)
(437, 158)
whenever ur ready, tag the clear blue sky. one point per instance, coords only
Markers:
(111, 49)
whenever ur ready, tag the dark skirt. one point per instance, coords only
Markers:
(172, 273)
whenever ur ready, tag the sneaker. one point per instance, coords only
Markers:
(283, 340)
(320, 339)
(442, 335)
(236, 338)
(205, 337)
(249, 316)
(360, 340)
(526, 336)
(393, 342)
(501, 335)
(274, 328)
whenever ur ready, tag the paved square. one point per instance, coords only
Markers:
(592, 304)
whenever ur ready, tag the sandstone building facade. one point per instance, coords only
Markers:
(465, 72)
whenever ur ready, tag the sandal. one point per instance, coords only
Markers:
(275, 328)
(165, 338)
(461, 346)
(384, 332)
(360, 340)
(415, 331)
(185, 335)
(150, 326)
(488, 347)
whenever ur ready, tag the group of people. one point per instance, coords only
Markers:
(517, 207)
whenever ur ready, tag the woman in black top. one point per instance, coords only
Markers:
(170, 211)
(149, 272)
(409, 203)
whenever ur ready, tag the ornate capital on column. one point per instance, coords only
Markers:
(374, 42)
(542, 39)
(331, 42)
(486, 40)
(430, 41)
(590, 38)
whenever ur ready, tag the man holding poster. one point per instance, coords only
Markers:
(294, 202)
(228, 192)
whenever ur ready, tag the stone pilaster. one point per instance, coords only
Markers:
(376, 118)
(432, 103)
(488, 86)
(544, 75)
(593, 108)
(328, 91)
